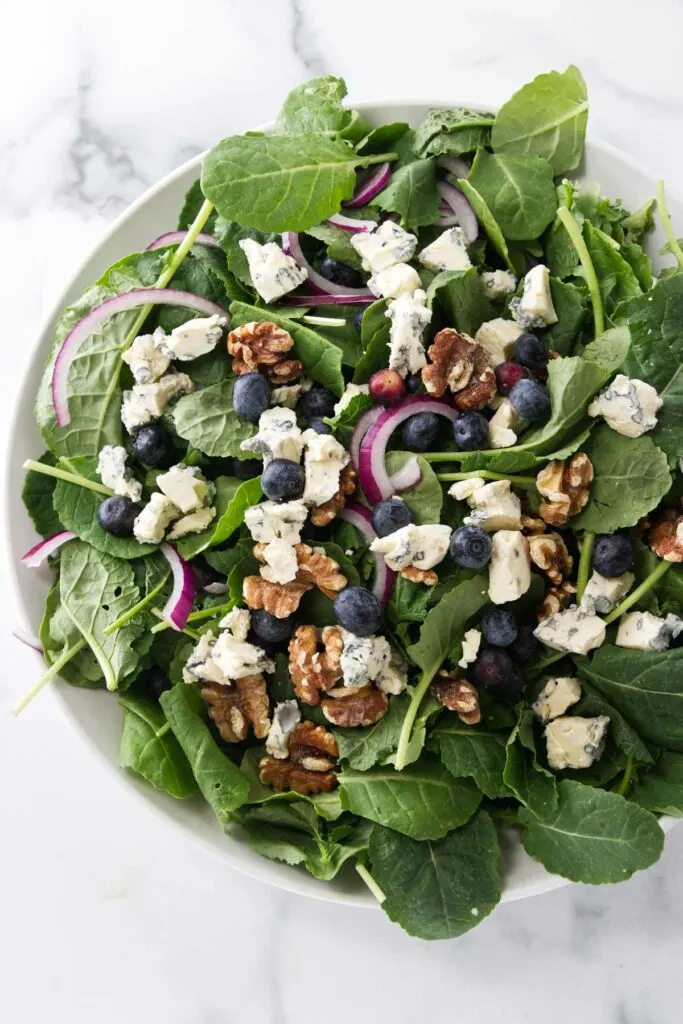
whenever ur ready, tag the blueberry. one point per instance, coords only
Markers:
(495, 670)
(358, 319)
(152, 445)
(269, 629)
(317, 402)
(251, 396)
(470, 547)
(499, 627)
(531, 352)
(283, 480)
(247, 469)
(116, 515)
(419, 432)
(340, 273)
(413, 383)
(320, 427)
(390, 515)
(358, 611)
(526, 645)
(530, 400)
(612, 554)
(471, 431)
(157, 681)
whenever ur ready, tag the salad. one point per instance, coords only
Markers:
(362, 492)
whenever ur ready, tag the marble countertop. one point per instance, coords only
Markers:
(106, 913)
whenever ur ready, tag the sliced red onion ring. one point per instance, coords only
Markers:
(119, 304)
(447, 220)
(371, 186)
(355, 299)
(39, 552)
(176, 237)
(292, 246)
(349, 224)
(360, 430)
(179, 605)
(27, 638)
(374, 479)
(454, 165)
(462, 209)
(407, 476)
(361, 517)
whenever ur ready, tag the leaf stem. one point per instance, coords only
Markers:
(488, 474)
(130, 613)
(584, 564)
(161, 732)
(622, 788)
(441, 456)
(188, 632)
(667, 227)
(377, 158)
(54, 670)
(71, 478)
(409, 720)
(510, 817)
(647, 584)
(199, 616)
(370, 882)
(574, 232)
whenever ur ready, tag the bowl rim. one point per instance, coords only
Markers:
(257, 867)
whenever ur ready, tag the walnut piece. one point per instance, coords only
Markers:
(531, 524)
(457, 695)
(566, 485)
(318, 569)
(261, 347)
(311, 669)
(310, 767)
(280, 599)
(361, 707)
(549, 552)
(415, 575)
(461, 365)
(313, 747)
(284, 776)
(234, 708)
(556, 599)
(329, 510)
(666, 536)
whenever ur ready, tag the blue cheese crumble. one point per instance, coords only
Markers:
(272, 272)
(628, 405)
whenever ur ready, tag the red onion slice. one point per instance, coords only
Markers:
(90, 323)
(356, 299)
(176, 237)
(179, 605)
(360, 430)
(349, 224)
(361, 517)
(292, 246)
(454, 165)
(374, 479)
(462, 209)
(408, 476)
(27, 638)
(39, 552)
(371, 186)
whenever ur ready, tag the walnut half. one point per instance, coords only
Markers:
(549, 552)
(310, 767)
(566, 485)
(457, 695)
(462, 366)
(349, 708)
(314, 670)
(262, 346)
(234, 708)
(316, 569)
(666, 536)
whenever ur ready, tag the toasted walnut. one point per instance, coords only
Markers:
(549, 552)
(556, 599)
(361, 707)
(566, 484)
(262, 346)
(314, 670)
(461, 365)
(287, 775)
(234, 708)
(457, 695)
(318, 569)
(530, 524)
(415, 575)
(280, 599)
(666, 536)
(311, 764)
(329, 510)
(313, 747)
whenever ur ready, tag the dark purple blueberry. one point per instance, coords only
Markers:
(270, 629)
(391, 515)
(152, 445)
(320, 427)
(499, 627)
(251, 396)
(317, 402)
(471, 431)
(420, 431)
(283, 480)
(530, 400)
(116, 515)
(341, 273)
(157, 681)
(612, 554)
(470, 547)
(495, 670)
(531, 352)
(358, 611)
(413, 383)
(526, 646)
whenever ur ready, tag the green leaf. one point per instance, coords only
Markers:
(617, 281)
(531, 783)
(645, 686)
(383, 139)
(423, 801)
(610, 349)
(444, 625)
(374, 334)
(487, 221)
(594, 836)
(279, 182)
(363, 748)
(315, 106)
(343, 423)
(230, 234)
(455, 131)
(571, 306)
(221, 782)
(339, 246)
(460, 294)
(322, 360)
(194, 200)
(438, 890)
(625, 737)
(547, 117)
(37, 494)
(206, 419)
(232, 500)
(159, 760)
(661, 788)
(425, 498)
(472, 751)
(411, 193)
(630, 479)
(409, 602)
(518, 190)
(640, 264)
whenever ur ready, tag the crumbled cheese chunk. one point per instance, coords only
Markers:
(409, 316)
(603, 593)
(281, 564)
(627, 405)
(111, 467)
(385, 246)
(147, 358)
(470, 647)
(401, 279)
(363, 658)
(495, 506)
(286, 396)
(272, 272)
(350, 392)
(571, 631)
(195, 522)
(535, 307)
(510, 566)
(421, 546)
(504, 424)
(238, 621)
(447, 252)
(393, 678)
(237, 658)
(155, 518)
(643, 631)
(186, 486)
(148, 402)
(464, 489)
(286, 717)
(200, 664)
(278, 436)
(497, 338)
(575, 742)
(556, 697)
(194, 338)
(498, 283)
(272, 520)
(323, 462)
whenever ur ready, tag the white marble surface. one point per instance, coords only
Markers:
(106, 913)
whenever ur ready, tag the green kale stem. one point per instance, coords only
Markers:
(442, 456)
(574, 232)
(71, 478)
(409, 720)
(667, 227)
(54, 670)
(640, 591)
(584, 564)
(507, 817)
(370, 882)
(488, 474)
(623, 787)
(160, 733)
(377, 158)
(200, 616)
(188, 632)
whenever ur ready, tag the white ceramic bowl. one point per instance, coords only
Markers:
(96, 713)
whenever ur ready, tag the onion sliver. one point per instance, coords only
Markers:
(374, 479)
(453, 164)
(371, 186)
(350, 224)
(292, 246)
(355, 299)
(95, 318)
(176, 237)
(39, 552)
(360, 430)
(407, 476)
(462, 209)
(179, 605)
(361, 517)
